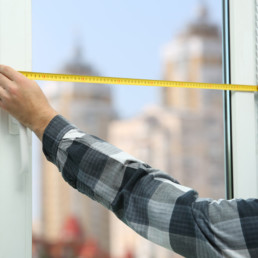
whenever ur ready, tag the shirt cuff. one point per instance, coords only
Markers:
(53, 134)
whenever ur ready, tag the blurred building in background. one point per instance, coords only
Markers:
(90, 108)
(196, 55)
(183, 137)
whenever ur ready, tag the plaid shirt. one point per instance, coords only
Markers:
(148, 200)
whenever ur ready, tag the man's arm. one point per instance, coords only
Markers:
(150, 201)
(146, 199)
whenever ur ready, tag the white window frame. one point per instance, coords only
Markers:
(242, 66)
(15, 145)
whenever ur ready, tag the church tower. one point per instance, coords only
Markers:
(194, 55)
(88, 106)
(184, 136)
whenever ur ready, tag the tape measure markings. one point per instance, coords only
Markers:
(140, 82)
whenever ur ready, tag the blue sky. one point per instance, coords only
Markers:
(119, 39)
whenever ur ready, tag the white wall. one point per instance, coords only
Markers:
(15, 186)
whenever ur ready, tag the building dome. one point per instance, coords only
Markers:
(77, 65)
(201, 25)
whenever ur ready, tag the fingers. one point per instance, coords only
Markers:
(3, 95)
(4, 86)
(9, 72)
(5, 83)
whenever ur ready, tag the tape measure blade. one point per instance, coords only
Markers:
(130, 81)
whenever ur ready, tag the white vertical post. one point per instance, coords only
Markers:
(15, 146)
(243, 71)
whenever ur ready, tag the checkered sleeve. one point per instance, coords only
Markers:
(150, 201)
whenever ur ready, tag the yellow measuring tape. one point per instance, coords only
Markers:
(140, 82)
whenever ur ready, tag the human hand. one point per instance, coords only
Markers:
(24, 100)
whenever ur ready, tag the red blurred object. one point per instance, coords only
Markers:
(71, 243)
(72, 230)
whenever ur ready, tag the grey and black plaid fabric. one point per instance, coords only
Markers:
(150, 201)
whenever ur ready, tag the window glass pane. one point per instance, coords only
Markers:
(179, 131)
